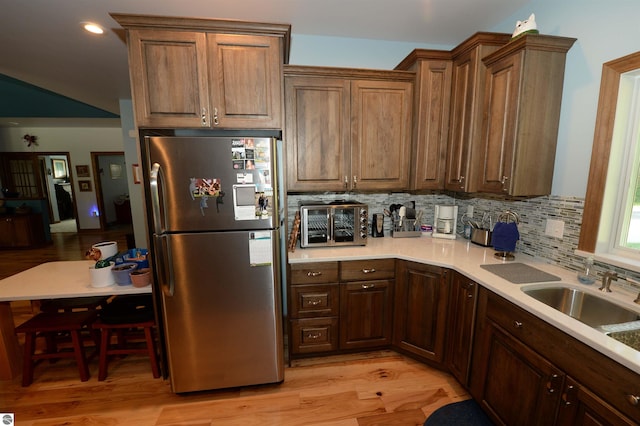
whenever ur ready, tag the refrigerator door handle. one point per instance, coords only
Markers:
(154, 182)
(165, 273)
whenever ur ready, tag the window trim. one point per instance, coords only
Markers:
(605, 120)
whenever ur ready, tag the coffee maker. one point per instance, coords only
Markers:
(445, 220)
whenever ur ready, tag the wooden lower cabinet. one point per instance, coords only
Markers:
(421, 301)
(580, 407)
(527, 372)
(366, 314)
(313, 308)
(463, 299)
(21, 231)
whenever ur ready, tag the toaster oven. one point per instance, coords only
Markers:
(338, 223)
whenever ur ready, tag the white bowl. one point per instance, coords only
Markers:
(107, 249)
(102, 277)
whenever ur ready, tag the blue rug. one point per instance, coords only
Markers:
(463, 413)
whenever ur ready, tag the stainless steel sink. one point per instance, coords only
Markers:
(593, 310)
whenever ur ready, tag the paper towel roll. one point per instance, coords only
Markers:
(107, 249)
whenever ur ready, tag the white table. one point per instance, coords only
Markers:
(52, 280)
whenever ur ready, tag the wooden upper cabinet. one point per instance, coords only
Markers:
(246, 83)
(523, 88)
(381, 134)
(317, 128)
(194, 73)
(169, 78)
(347, 129)
(432, 100)
(467, 96)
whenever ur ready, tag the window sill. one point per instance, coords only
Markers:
(619, 261)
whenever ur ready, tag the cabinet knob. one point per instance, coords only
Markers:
(215, 117)
(314, 273)
(633, 399)
(517, 324)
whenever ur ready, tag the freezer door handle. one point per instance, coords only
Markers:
(154, 182)
(165, 267)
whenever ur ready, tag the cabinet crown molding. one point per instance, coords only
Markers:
(227, 26)
(356, 73)
(531, 42)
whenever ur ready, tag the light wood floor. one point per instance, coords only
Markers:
(376, 388)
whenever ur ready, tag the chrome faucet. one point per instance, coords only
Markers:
(606, 281)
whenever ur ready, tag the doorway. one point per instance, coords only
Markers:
(57, 185)
(112, 190)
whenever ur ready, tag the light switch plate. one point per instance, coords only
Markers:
(554, 228)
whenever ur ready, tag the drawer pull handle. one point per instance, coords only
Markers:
(367, 286)
(633, 399)
(314, 274)
(314, 302)
(368, 271)
(517, 324)
(314, 336)
(568, 396)
(551, 388)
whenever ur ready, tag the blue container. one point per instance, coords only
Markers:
(121, 273)
(138, 256)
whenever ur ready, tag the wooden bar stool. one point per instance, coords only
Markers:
(46, 323)
(129, 317)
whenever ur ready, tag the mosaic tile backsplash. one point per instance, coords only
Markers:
(533, 214)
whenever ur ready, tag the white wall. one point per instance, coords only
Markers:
(605, 31)
(79, 142)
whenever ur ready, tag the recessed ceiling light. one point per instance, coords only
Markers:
(93, 28)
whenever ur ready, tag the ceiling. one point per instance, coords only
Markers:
(51, 70)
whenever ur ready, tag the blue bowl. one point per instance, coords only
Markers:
(121, 273)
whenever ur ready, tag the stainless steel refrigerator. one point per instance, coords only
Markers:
(214, 212)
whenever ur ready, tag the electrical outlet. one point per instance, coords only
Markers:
(470, 211)
(554, 228)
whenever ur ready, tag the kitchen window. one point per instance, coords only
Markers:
(612, 205)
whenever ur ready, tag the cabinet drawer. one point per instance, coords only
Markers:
(608, 379)
(312, 273)
(365, 270)
(314, 335)
(314, 300)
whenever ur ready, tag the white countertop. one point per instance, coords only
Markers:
(58, 280)
(466, 258)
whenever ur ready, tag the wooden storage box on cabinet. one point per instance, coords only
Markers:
(467, 98)
(195, 73)
(366, 303)
(347, 129)
(313, 308)
(523, 94)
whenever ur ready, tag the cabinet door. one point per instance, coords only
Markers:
(6, 232)
(519, 387)
(499, 128)
(421, 310)
(462, 116)
(462, 311)
(169, 78)
(431, 127)
(381, 114)
(246, 83)
(365, 314)
(580, 407)
(317, 117)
